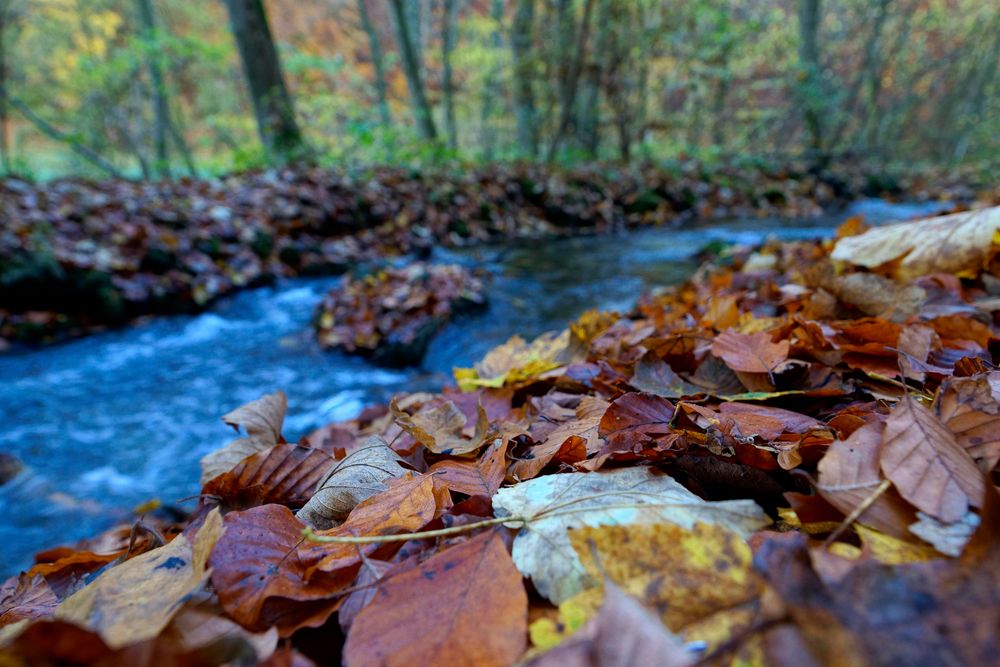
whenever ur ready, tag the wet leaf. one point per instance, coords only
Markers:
(634, 420)
(478, 617)
(475, 478)
(26, 597)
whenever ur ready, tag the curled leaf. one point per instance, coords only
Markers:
(357, 477)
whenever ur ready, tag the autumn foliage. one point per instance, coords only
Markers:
(791, 460)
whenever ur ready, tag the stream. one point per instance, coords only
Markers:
(110, 421)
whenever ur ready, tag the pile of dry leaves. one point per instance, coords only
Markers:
(77, 255)
(790, 460)
(392, 314)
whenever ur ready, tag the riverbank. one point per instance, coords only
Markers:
(81, 256)
(774, 431)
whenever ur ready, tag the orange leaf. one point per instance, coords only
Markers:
(285, 474)
(465, 606)
(750, 353)
(475, 478)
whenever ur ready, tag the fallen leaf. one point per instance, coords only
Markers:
(699, 580)
(134, 600)
(358, 476)
(655, 376)
(515, 361)
(948, 538)
(479, 614)
(261, 577)
(26, 597)
(542, 550)
(970, 407)
(849, 476)
(571, 439)
(439, 428)
(750, 353)
(926, 463)
(622, 634)
(262, 420)
(285, 474)
(475, 478)
(634, 420)
(959, 244)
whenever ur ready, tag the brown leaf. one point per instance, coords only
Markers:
(360, 475)
(475, 478)
(439, 429)
(633, 420)
(655, 376)
(285, 474)
(958, 244)
(136, 599)
(569, 442)
(849, 474)
(750, 353)
(26, 596)
(262, 578)
(408, 504)
(478, 616)
(623, 634)
(971, 409)
(926, 463)
(261, 419)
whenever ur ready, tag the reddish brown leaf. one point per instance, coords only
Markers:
(971, 409)
(26, 596)
(849, 474)
(750, 353)
(475, 478)
(927, 465)
(285, 474)
(410, 503)
(261, 576)
(478, 616)
(568, 442)
(633, 420)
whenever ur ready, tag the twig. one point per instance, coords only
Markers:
(857, 512)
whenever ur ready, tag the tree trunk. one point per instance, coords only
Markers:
(524, 87)
(375, 47)
(161, 111)
(449, 20)
(491, 87)
(810, 13)
(279, 132)
(5, 161)
(570, 82)
(590, 116)
(411, 68)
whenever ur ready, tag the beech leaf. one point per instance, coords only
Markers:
(927, 465)
(464, 606)
(360, 475)
(542, 549)
(750, 353)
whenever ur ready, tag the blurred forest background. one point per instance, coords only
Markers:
(157, 88)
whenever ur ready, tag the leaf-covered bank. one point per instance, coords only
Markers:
(77, 255)
(768, 463)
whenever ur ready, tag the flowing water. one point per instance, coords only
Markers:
(110, 421)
